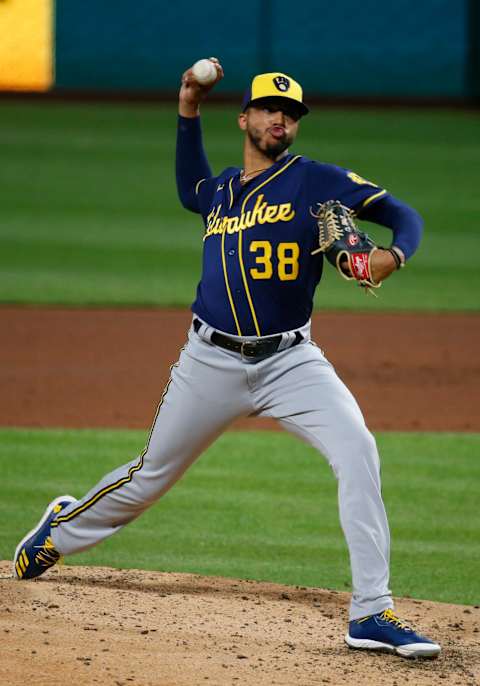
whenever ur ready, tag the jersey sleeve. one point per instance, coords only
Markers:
(192, 168)
(405, 222)
(204, 191)
(331, 182)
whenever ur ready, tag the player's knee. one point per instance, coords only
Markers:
(368, 442)
(357, 454)
(366, 449)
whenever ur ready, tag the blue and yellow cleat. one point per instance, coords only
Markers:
(386, 632)
(36, 553)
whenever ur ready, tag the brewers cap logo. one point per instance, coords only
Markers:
(281, 83)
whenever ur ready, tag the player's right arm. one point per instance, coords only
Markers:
(192, 168)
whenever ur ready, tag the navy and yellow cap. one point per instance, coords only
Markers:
(275, 85)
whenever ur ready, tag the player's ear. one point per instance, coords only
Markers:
(242, 121)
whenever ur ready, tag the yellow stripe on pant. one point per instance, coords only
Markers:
(26, 45)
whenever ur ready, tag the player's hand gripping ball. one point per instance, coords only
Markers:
(347, 248)
(204, 72)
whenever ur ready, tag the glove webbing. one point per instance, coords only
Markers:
(330, 229)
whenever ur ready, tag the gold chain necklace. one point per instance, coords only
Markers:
(244, 177)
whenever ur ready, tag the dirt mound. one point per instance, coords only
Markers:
(119, 627)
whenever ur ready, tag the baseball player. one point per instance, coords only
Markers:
(249, 350)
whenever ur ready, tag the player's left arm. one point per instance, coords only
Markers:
(407, 227)
(373, 203)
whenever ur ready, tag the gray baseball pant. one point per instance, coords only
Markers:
(210, 387)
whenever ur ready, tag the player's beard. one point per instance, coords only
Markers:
(270, 150)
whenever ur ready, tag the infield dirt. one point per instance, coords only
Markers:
(106, 368)
(83, 626)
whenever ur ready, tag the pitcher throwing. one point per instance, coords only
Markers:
(267, 228)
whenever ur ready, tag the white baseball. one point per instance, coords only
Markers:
(204, 72)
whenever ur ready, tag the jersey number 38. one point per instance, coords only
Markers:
(287, 260)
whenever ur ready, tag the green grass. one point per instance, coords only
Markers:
(263, 506)
(89, 212)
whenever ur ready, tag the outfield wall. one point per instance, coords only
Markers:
(26, 45)
(406, 49)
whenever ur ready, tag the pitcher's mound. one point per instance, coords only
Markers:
(87, 625)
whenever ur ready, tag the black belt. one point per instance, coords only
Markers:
(251, 349)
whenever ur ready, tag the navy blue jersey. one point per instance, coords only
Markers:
(259, 276)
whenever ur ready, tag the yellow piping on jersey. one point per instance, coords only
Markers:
(197, 186)
(240, 257)
(373, 197)
(245, 284)
(294, 159)
(124, 480)
(229, 293)
(231, 193)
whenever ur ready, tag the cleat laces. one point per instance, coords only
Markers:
(47, 554)
(390, 616)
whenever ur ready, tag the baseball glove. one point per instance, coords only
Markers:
(347, 248)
